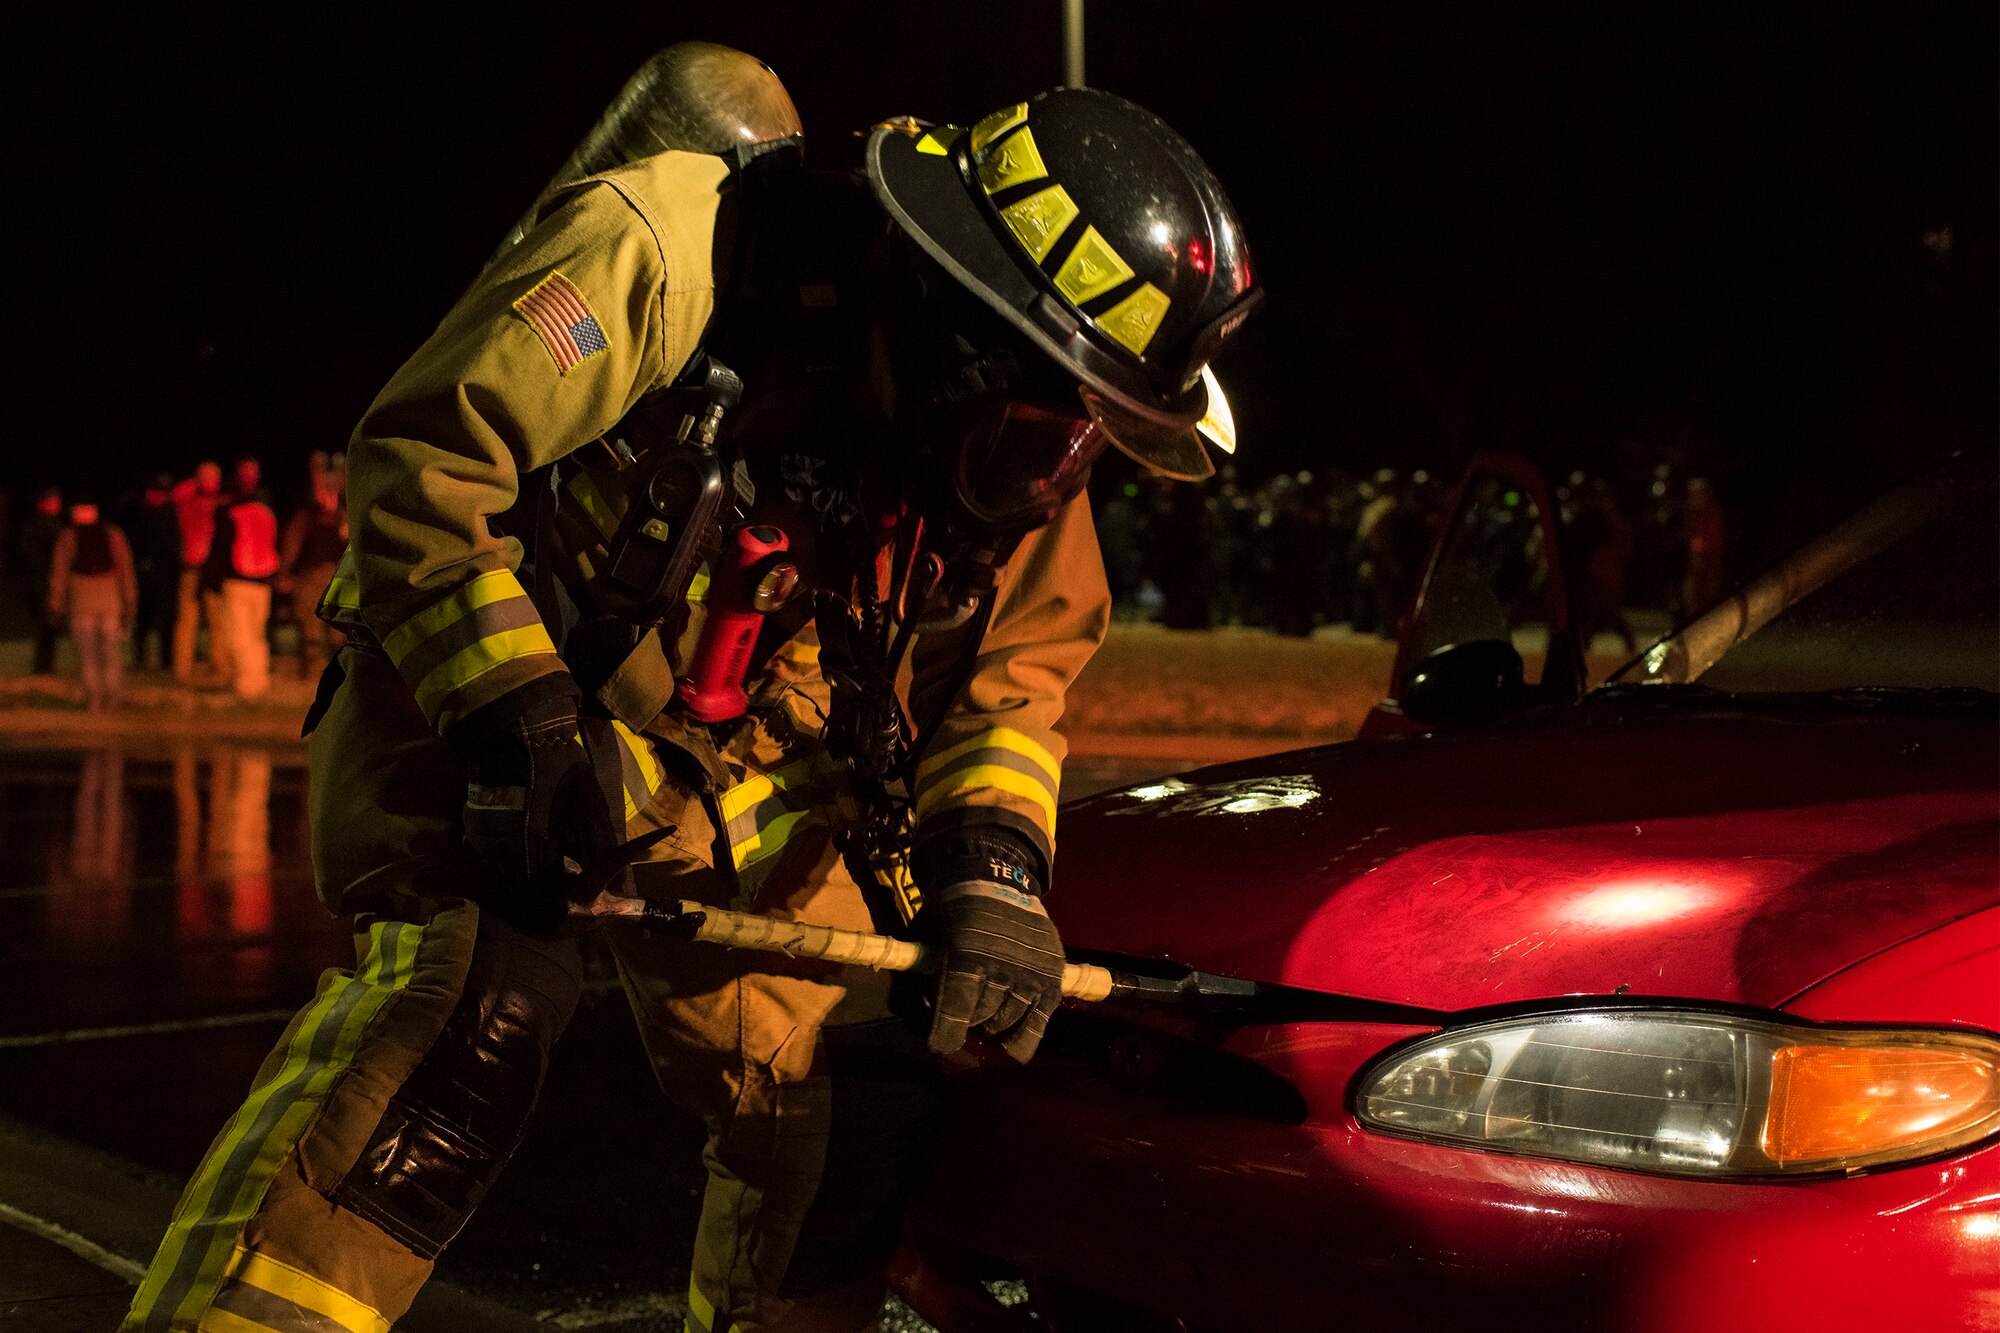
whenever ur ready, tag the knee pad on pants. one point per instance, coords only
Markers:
(451, 1127)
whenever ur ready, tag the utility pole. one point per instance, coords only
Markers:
(1072, 43)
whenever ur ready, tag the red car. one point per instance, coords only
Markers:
(1669, 1004)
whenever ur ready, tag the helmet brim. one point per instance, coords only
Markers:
(917, 178)
(1176, 452)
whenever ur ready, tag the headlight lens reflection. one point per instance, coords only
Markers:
(1690, 1093)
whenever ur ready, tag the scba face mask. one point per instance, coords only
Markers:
(1019, 463)
(1004, 433)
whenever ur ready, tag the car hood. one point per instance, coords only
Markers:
(1722, 853)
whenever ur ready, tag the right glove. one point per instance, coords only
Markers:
(1002, 969)
(543, 804)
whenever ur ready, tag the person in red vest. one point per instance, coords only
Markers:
(196, 498)
(242, 561)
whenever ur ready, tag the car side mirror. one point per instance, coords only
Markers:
(1465, 682)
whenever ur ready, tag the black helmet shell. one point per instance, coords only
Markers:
(1097, 231)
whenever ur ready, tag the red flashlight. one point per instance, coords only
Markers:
(752, 578)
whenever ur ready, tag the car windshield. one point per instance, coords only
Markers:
(1904, 595)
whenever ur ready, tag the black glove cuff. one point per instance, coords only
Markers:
(494, 738)
(985, 853)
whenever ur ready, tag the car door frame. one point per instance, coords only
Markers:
(1564, 674)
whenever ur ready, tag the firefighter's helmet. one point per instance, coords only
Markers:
(1097, 232)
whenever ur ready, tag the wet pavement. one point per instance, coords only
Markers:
(157, 929)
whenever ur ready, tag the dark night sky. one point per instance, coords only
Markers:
(1595, 234)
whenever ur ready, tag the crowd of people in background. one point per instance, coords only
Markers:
(1307, 550)
(194, 575)
(179, 575)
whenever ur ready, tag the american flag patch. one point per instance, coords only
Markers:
(562, 318)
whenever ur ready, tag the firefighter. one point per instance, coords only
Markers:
(698, 378)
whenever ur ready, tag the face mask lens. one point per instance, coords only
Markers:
(1021, 462)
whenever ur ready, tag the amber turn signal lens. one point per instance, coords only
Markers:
(1840, 1102)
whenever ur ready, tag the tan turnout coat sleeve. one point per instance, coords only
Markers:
(997, 755)
(603, 301)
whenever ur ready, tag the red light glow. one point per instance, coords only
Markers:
(1198, 256)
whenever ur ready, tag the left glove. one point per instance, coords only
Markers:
(1002, 968)
(539, 806)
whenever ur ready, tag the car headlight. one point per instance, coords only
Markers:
(1690, 1093)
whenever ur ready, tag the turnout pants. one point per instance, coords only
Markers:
(394, 1099)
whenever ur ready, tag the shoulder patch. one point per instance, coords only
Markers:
(564, 322)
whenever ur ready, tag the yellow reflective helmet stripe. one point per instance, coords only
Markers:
(1040, 219)
(997, 124)
(1015, 162)
(1092, 268)
(1134, 320)
(938, 142)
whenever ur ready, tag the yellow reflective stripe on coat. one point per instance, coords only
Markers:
(1005, 740)
(230, 1184)
(496, 585)
(471, 663)
(760, 814)
(998, 760)
(988, 778)
(269, 1294)
(769, 840)
(753, 790)
(343, 593)
(486, 623)
(642, 773)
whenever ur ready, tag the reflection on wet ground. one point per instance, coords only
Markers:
(157, 928)
(157, 924)
(154, 886)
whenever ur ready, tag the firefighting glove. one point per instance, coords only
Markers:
(1002, 966)
(539, 806)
